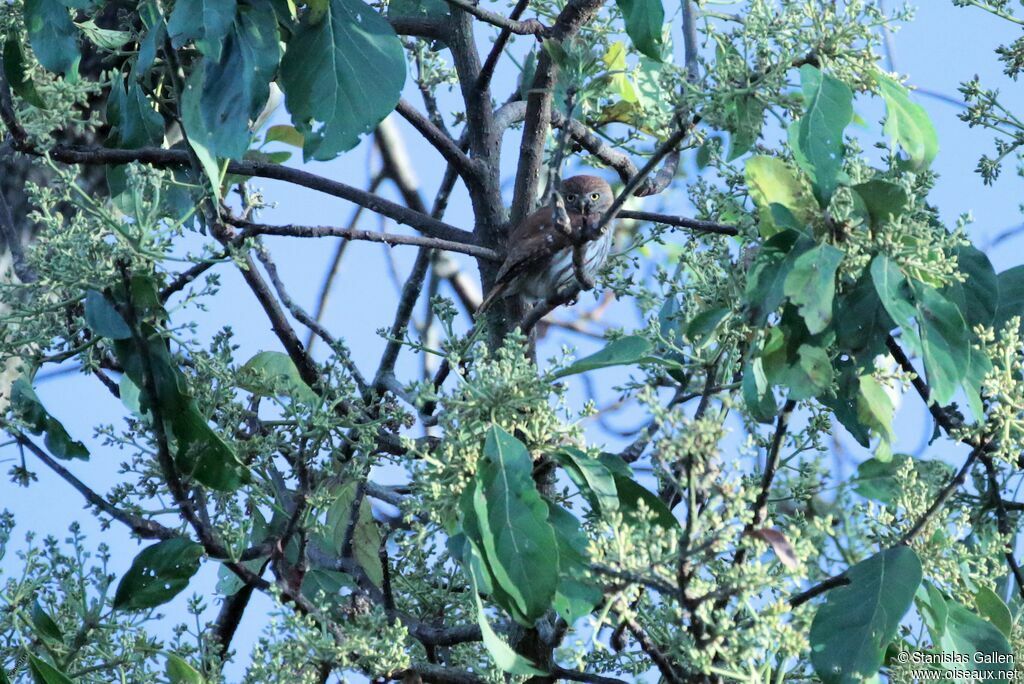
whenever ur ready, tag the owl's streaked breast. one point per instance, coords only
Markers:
(559, 274)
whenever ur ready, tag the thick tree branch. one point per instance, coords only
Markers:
(449, 149)
(530, 27)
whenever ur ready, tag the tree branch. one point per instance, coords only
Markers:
(530, 27)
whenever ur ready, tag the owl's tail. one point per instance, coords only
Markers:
(496, 293)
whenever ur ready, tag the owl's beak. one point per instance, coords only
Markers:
(585, 206)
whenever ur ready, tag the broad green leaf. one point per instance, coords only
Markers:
(27, 406)
(53, 36)
(341, 76)
(592, 477)
(945, 343)
(857, 621)
(993, 609)
(745, 121)
(977, 296)
(284, 133)
(159, 573)
(883, 200)
(828, 109)
(968, 635)
(502, 654)
(16, 73)
(861, 322)
(893, 290)
(200, 451)
(621, 352)
(274, 374)
(877, 479)
(1011, 297)
(45, 673)
(134, 122)
(811, 285)
(473, 557)
(210, 167)
(633, 496)
(434, 9)
(180, 672)
(108, 39)
(701, 329)
(519, 542)
(44, 624)
(771, 181)
(931, 604)
(907, 123)
(875, 410)
(757, 392)
(103, 319)
(978, 367)
(810, 375)
(203, 22)
(644, 22)
(223, 95)
(365, 535)
(766, 278)
(576, 595)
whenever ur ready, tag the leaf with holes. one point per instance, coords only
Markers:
(159, 573)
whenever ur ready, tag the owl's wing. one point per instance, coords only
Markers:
(533, 242)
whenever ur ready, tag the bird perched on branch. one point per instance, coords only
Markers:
(557, 244)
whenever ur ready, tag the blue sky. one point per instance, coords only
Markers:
(942, 47)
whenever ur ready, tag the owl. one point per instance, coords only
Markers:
(539, 260)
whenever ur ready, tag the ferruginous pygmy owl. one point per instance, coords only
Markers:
(539, 261)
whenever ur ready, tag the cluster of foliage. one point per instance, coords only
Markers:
(518, 546)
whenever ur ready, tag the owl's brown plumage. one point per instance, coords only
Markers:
(538, 262)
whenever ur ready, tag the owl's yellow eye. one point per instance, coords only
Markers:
(595, 196)
(570, 197)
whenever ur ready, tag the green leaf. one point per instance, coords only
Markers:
(857, 621)
(828, 109)
(53, 36)
(44, 624)
(771, 181)
(702, 328)
(103, 319)
(433, 9)
(108, 39)
(745, 121)
(644, 21)
(200, 452)
(883, 200)
(633, 496)
(877, 479)
(576, 595)
(134, 123)
(969, 635)
(875, 411)
(274, 374)
(907, 123)
(341, 76)
(592, 477)
(861, 322)
(931, 604)
(621, 352)
(518, 540)
(223, 95)
(811, 285)
(766, 278)
(180, 672)
(365, 535)
(159, 573)
(893, 291)
(993, 609)
(977, 297)
(45, 673)
(284, 133)
(945, 343)
(810, 375)
(16, 73)
(502, 654)
(27, 406)
(203, 22)
(757, 392)
(1011, 297)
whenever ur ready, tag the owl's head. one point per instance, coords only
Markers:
(587, 195)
